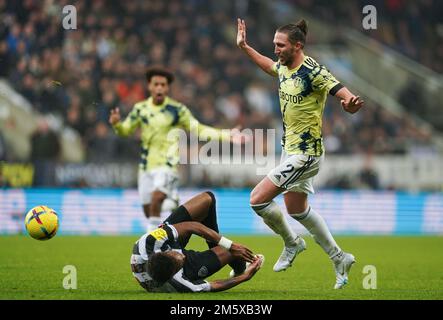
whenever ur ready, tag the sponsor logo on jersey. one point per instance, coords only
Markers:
(298, 82)
(296, 99)
(203, 272)
(159, 234)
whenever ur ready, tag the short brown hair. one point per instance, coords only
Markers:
(159, 71)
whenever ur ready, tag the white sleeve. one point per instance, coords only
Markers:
(182, 284)
(142, 247)
(174, 231)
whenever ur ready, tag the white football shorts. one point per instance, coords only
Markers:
(296, 172)
(161, 179)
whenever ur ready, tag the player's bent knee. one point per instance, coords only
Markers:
(206, 199)
(211, 194)
(253, 198)
(256, 198)
(255, 204)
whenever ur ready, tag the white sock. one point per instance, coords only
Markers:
(316, 225)
(169, 205)
(153, 223)
(274, 218)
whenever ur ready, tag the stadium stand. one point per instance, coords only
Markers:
(413, 28)
(77, 76)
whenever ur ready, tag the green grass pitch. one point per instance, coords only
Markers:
(407, 268)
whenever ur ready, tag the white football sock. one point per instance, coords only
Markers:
(316, 225)
(153, 223)
(274, 218)
(169, 205)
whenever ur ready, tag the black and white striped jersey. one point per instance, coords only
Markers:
(162, 239)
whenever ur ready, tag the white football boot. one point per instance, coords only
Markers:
(288, 255)
(232, 274)
(342, 266)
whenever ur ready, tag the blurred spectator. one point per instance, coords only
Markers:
(102, 145)
(45, 151)
(45, 143)
(411, 96)
(259, 98)
(5, 63)
(412, 27)
(51, 98)
(80, 75)
(368, 177)
(3, 151)
(339, 182)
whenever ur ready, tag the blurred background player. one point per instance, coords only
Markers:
(158, 116)
(160, 262)
(303, 88)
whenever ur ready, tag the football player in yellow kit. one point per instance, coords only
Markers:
(159, 117)
(303, 87)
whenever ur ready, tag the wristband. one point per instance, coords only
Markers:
(225, 243)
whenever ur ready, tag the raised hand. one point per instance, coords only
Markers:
(241, 252)
(353, 104)
(114, 117)
(241, 33)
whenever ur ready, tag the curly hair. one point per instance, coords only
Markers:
(161, 267)
(158, 71)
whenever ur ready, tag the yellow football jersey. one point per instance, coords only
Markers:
(159, 131)
(302, 92)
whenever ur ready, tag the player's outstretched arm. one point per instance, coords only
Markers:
(262, 61)
(349, 101)
(191, 124)
(186, 229)
(221, 285)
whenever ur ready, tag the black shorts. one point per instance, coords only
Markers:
(178, 215)
(200, 265)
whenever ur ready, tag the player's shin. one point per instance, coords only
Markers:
(274, 218)
(318, 228)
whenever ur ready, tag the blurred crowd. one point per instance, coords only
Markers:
(414, 28)
(79, 75)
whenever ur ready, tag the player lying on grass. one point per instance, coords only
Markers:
(160, 262)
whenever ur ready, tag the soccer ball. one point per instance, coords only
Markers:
(41, 223)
